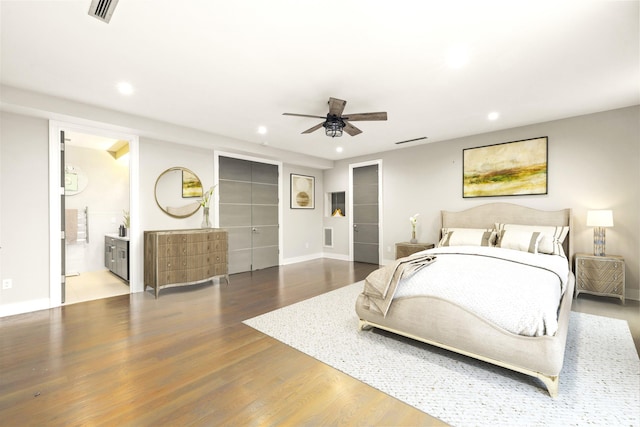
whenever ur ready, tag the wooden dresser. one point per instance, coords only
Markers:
(405, 249)
(184, 257)
(600, 275)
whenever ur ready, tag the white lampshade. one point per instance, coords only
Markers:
(601, 218)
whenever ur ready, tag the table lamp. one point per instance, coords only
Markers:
(599, 220)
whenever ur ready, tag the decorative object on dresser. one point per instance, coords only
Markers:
(405, 249)
(599, 220)
(204, 202)
(600, 275)
(184, 257)
(116, 255)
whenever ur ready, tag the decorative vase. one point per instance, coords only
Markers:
(413, 237)
(205, 218)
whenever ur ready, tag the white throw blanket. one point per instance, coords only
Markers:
(518, 291)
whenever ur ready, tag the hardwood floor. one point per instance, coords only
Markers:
(186, 359)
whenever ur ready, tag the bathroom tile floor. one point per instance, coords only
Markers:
(94, 285)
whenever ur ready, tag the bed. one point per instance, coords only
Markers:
(449, 324)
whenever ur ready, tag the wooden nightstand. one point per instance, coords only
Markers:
(405, 248)
(600, 275)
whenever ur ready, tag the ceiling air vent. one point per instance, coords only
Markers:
(102, 9)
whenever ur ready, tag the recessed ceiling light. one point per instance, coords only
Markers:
(458, 56)
(493, 115)
(262, 130)
(125, 88)
(339, 149)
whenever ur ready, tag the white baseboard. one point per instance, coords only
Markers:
(24, 307)
(311, 257)
(303, 258)
(340, 257)
(633, 294)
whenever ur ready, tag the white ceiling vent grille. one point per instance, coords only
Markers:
(102, 9)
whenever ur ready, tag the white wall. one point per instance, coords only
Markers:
(302, 227)
(106, 196)
(594, 163)
(24, 210)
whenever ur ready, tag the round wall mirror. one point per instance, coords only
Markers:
(178, 192)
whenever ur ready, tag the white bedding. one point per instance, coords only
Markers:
(518, 291)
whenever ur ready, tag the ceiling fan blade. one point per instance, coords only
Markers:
(313, 129)
(366, 116)
(303, 115)
(336, 106)
(351, 129)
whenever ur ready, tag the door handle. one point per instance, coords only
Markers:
(355, 227)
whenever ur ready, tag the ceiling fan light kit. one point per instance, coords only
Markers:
(333, 127)
(335, 123)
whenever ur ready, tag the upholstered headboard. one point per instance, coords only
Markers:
(485, 216)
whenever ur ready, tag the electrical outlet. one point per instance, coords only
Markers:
(306, 245)
(7, 283)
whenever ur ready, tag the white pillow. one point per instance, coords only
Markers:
(525, 241)
(467, 237)
(552, 237)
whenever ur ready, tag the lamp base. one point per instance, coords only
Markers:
(598, 241)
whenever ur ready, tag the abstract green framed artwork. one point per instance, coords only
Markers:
(508, 169)
(191, 185)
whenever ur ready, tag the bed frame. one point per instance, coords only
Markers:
(447, 325)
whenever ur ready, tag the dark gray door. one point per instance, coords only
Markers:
(365, 214)
(63, 249)
(249, 211)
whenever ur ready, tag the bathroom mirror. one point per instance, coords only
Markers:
(178, 191)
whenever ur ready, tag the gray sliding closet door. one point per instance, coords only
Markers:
(365, 214)
(249, 211)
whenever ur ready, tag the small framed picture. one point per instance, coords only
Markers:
(191, 185)
(303, 189)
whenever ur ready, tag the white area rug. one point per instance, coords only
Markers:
(599, 383)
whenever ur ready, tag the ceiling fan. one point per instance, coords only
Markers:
(335, 122)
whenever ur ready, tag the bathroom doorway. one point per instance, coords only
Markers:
(96, 217)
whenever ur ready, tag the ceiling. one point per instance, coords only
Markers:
(230, 67)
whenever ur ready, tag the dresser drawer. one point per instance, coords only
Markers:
(605, 274)
(175, 249)
(172, 263)
(601, 264)
(171, 277)
(166, 239)
(600, 286)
